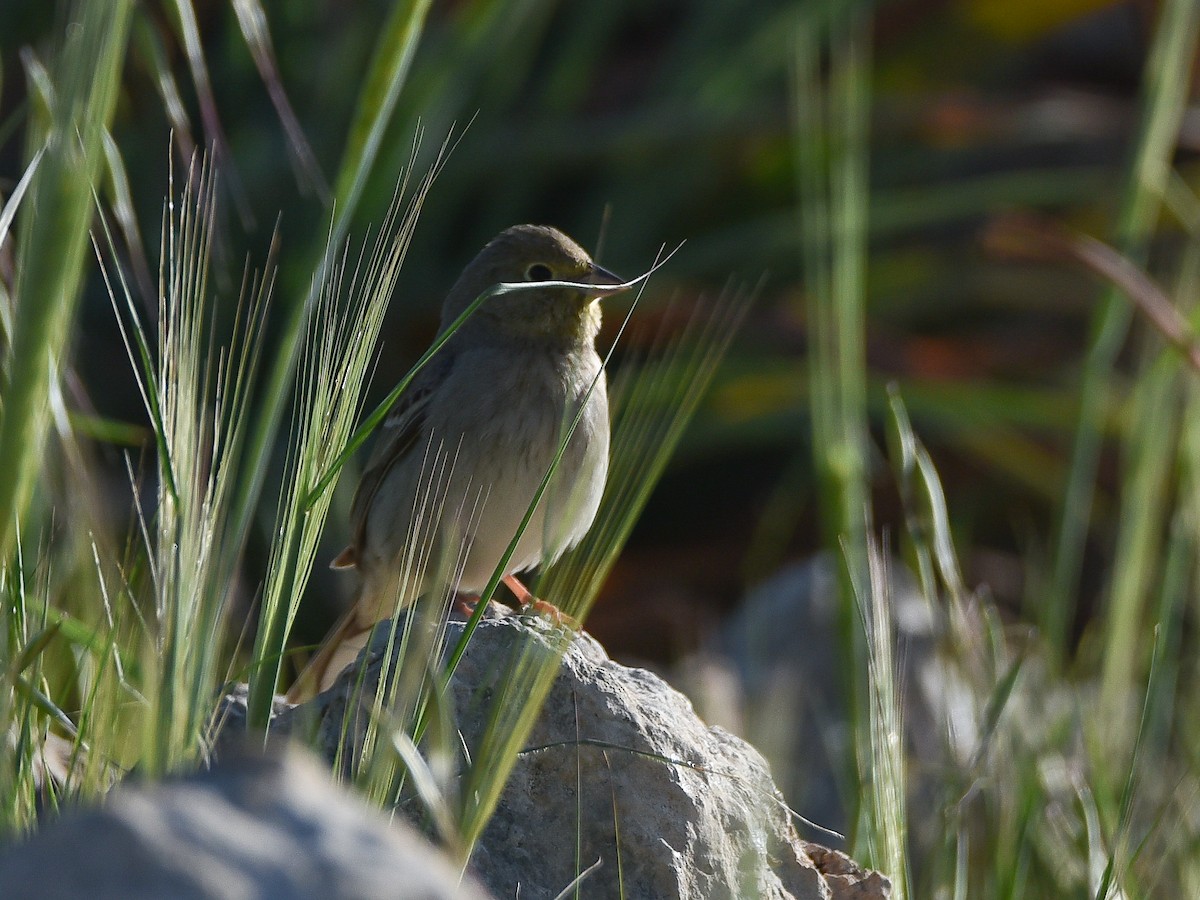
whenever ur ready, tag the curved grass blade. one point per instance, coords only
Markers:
(188, 31)
(333, 369)
(9, 212)
(51, 255)
(1164, 100)
(253, 22)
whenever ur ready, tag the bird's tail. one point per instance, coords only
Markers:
(339, 649)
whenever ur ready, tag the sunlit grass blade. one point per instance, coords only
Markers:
(13, 202)
(653, 401)
(137, 348)
(184, 534)
(831, 160)
(377, 100)
(197, 398)
(927, 517)
(52, 245)
(375, 106)
(1115, 868)
(7, 214)
(882, 764)
(426, 784)
(149, 40)
(337, 358)
(1164, 98)
(572, 889)
(121, 200)
(411, 692)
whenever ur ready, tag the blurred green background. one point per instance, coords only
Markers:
(636, 125)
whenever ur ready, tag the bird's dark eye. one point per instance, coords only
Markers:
(539, 272)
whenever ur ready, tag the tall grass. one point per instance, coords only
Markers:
(831, 162)
(336, 361)
(149, 629)
(52, 228)
(1165, 81)
(1072, 778)
(1070, 788)
(66, 146)
(198, 399)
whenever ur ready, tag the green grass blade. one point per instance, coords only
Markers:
(1164, 99)
(336, 361)
(53, 243)
(9, 212)
(883, 766)
(377, 101)
(188, 30)
(252, 20)
(831, 160)
(376, 105)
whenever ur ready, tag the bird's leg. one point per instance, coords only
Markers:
(523, 594)
(465, 603)
(530, 603)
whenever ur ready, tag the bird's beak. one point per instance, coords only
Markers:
(602, 278)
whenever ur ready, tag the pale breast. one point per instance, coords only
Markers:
(491, 433)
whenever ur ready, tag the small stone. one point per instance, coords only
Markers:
(266, 826)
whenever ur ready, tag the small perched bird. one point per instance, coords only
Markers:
(463, 452)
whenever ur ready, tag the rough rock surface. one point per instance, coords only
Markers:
(629, 775)
(269, 827)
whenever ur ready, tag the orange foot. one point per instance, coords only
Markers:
(465, 604)
(530, 603)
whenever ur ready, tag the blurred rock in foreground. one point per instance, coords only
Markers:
(271, 827)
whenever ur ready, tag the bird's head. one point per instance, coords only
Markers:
(533, 254)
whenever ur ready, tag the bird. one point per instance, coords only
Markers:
(467, 445)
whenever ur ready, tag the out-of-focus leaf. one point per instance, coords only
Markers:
(253, 22)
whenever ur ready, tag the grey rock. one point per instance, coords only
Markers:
(626, 774)
(256, 826)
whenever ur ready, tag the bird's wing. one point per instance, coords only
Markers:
(398, 436)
